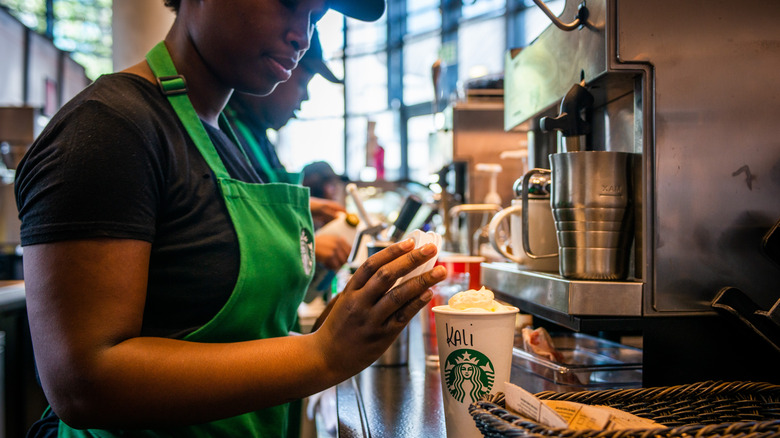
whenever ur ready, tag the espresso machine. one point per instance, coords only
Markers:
(689, 89)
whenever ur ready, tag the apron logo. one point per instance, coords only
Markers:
(468, 372)
(307, 252)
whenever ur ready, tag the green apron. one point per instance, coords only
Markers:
(274, 175)
(274, 229)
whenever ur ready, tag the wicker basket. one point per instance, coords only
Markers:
(706, 409)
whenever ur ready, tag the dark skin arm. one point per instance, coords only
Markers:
(85, 302)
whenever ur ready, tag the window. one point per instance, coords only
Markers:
(387, 66)
(32, 13)
(481, 48)
(476, 8)
(419, 57)
(367, 79)
(317, 132)
(84, 28)
(422, 16)
(361, 161)
(421, 129)
(79, 26)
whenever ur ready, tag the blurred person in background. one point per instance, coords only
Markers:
(253, 115)
(323, 181)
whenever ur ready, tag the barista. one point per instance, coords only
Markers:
(323, 181)
(252, 115)
(162, 276)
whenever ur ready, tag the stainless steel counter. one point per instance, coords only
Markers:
(393, 401)
(575, 304)
(574, 297)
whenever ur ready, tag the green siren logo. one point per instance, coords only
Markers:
(307, 251)
(468, 372)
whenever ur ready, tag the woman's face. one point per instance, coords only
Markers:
(280, 106)
(251, 45)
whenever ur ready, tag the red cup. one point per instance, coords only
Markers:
(458, 263)
(442, 292)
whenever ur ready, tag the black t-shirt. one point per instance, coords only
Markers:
(116, 162)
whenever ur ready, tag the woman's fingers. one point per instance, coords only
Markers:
(386, 276)
(372, 310)
(402, 302)
(376, 261)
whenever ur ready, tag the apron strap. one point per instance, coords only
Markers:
(254, 146)
(224, 125)
(174, 87)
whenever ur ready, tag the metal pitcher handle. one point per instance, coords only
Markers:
(493, 234)
(526, 240)
(581, 20)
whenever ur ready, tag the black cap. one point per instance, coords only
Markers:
(319, 172)
(364, 10)
(313, 61)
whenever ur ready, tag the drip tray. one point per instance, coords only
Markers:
(571, 297)
(589, 363)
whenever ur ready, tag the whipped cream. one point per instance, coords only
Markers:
(475, 301)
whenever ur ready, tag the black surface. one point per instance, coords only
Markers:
(24, 399)
(686, 350)
(678, 349)
(406, 401)
(405, 216)
(393, 401)
(734, 303)
(571, 322)
(770, 244)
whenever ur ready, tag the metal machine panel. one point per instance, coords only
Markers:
(717, 155)
(590, 298)
(702, 80)
(551, 64)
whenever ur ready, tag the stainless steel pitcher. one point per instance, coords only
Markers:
(593, 207)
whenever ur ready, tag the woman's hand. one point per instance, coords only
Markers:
(324, 210)
(368, 315)
(331, 251)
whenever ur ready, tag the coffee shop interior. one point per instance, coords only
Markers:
(609, 167)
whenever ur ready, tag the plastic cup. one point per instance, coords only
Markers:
(459, 263)
(475, 358)
(442, 292)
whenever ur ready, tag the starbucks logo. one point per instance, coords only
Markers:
(468, 373)
(307, 251)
